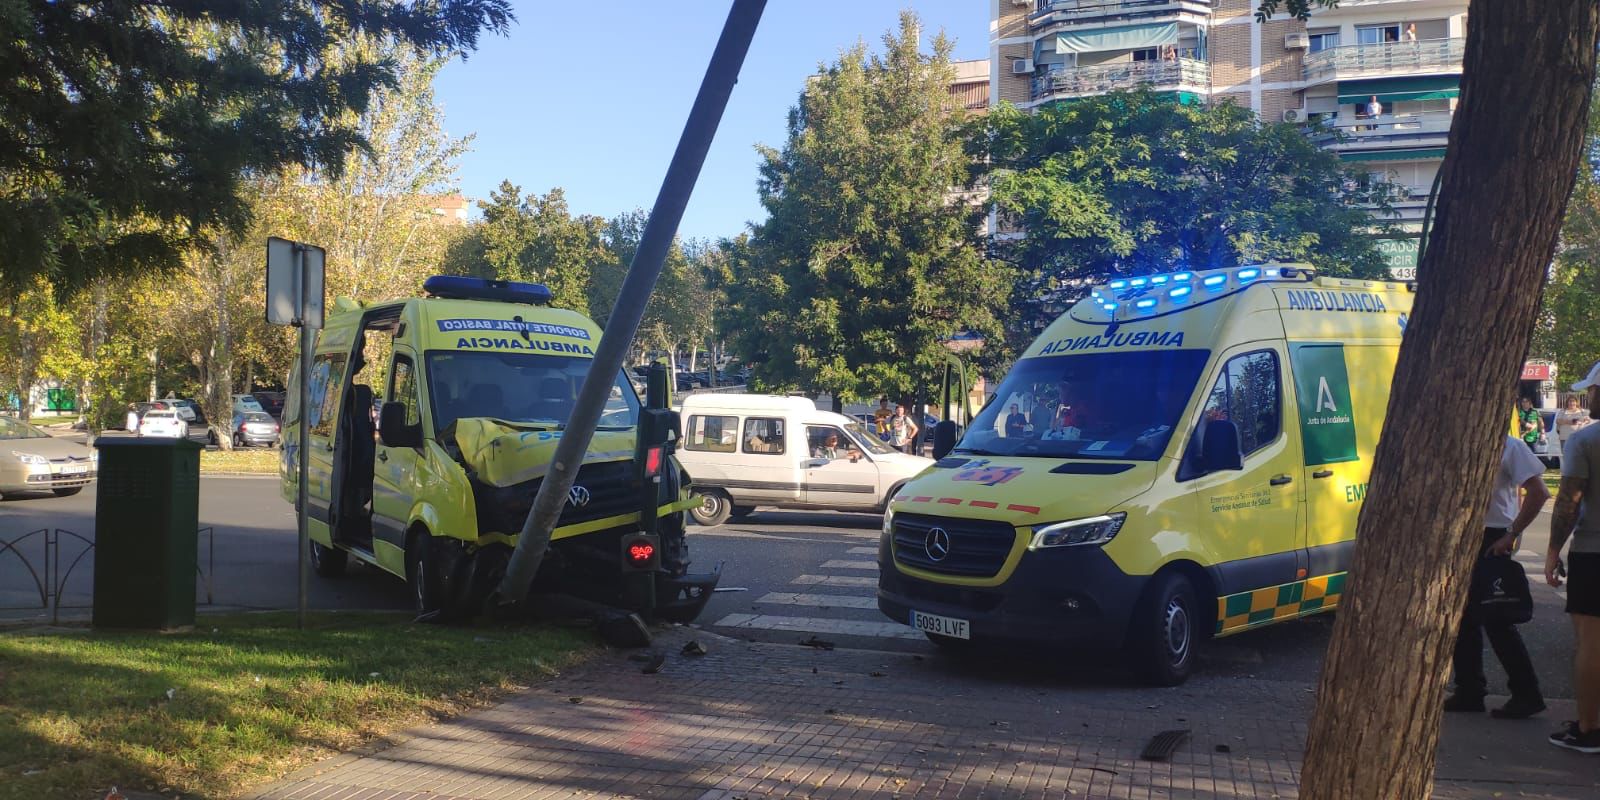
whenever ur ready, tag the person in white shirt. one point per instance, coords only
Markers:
(1571, 419)
(1507, 518)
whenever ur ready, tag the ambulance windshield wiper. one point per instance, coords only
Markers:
(977, 451)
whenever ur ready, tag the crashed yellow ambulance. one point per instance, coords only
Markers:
(432, 422)
(1178, 456)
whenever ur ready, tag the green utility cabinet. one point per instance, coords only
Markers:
(147, 520)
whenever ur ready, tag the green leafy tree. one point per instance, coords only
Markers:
(38, 341)
(535, 238)
(128, 130)
(1569, 329)
(867, 261)
(1136, 183)
(672, 317)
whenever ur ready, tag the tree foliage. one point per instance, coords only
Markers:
(1135, 183)
(867, 261)
(535, 238)
(129, 131)
(1569, 329)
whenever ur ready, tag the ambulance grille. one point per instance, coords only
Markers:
(612, 486)
(977, 549)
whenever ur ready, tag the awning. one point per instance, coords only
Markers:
(1413, 154)
(1122, 37)
(1392, 90)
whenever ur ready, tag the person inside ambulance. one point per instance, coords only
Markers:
(1069, 418)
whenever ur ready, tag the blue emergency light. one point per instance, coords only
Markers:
(1148, 302)
(457, 287)
(1215, 281)
(1179, 292)
(1249, 274)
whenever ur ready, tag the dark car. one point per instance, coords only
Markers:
(271, 402)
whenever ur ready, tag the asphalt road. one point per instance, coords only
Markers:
(787, 576)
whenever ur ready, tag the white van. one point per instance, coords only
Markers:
(748, 450)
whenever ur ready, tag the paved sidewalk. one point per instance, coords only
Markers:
(761, 720)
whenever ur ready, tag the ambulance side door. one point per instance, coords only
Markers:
(1342, 391)
(1251, 517)
(394, 476)
(325, 390)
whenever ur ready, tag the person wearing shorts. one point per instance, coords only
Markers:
(1577, 516)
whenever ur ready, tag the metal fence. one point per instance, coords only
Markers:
(1386, 59)
(42, 563)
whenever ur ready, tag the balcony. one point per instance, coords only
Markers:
(1048, 11)
(1391, 131)
(1182, 74)
(1430, 57)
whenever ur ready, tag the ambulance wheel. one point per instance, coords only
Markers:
(714, 508)
(422, 573)
(1164, 632)
(328, 562)
(740, 512)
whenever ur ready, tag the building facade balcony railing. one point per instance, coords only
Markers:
(1431, 56)
(1166, 75)
(1112, 8)
(1397, 130)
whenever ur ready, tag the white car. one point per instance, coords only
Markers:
(163, 422)
(744, 451)
(244, 403)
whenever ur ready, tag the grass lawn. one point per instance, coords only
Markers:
(251, 459)
(242, 699)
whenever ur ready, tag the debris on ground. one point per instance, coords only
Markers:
(694, 648)
(656, 662)
(820, 644)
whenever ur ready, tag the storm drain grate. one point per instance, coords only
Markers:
(1163, 745)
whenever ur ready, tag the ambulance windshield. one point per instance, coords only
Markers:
(1101, 405)
(518, 387)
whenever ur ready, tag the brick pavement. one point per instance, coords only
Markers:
(765, 721)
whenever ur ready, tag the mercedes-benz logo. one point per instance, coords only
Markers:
(937, 544)
(578, 496)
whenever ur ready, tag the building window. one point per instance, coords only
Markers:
(1378, 34)
(1147, 54)
(1324, 40)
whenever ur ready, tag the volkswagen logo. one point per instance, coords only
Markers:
(578, 496)
(937, 544)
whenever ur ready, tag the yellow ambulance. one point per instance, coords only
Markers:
(1178, 456)
(432, 421)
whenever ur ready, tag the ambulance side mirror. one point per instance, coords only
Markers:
(394, 431)
(944, 438)
(1220, 448)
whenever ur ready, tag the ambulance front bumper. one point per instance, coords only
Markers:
(1060, 596)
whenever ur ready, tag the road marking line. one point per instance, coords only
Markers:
(834, 580)
(837, 564)
(838, 627)
(863, 551)
(820, 600)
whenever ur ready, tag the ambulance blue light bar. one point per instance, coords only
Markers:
(1249, 274)
(1148, 302)
(1215, 281)
(457, 287)
(1179, 292)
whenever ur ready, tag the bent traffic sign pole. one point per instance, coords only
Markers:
(721, 74)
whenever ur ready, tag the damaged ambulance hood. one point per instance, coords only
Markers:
(506, 454)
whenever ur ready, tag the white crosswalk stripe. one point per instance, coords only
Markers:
(834, 580)
(863, 551)
(838, 564)
(820, 600)
(1533, 563)
(843, 627)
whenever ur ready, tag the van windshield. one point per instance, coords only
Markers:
(518, 387)
(1099, 405)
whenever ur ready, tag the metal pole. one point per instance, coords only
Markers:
(721, 74)
(303, 455)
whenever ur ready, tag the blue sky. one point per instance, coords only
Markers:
(591, 96)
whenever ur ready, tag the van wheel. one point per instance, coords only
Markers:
(422, 574)
(1164, 632)
(328, 562)
(714, 508)
(740, 512)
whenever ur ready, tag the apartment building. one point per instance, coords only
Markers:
(971, 85)
(1374, 80)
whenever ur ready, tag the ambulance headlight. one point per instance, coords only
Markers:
(1090, 531)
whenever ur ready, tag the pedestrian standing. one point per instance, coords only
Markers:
(1570, 419)
(131, 425)
(1529, 423)
(902, 431)
(1016, 423)
(880, 418)
(1506, 520)
(1577, 516)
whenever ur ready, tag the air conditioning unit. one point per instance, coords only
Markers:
(1297, 41)
(1294, 115)
(1021, 66)
(1021, 3)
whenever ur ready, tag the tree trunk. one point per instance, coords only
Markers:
(1512, 157)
